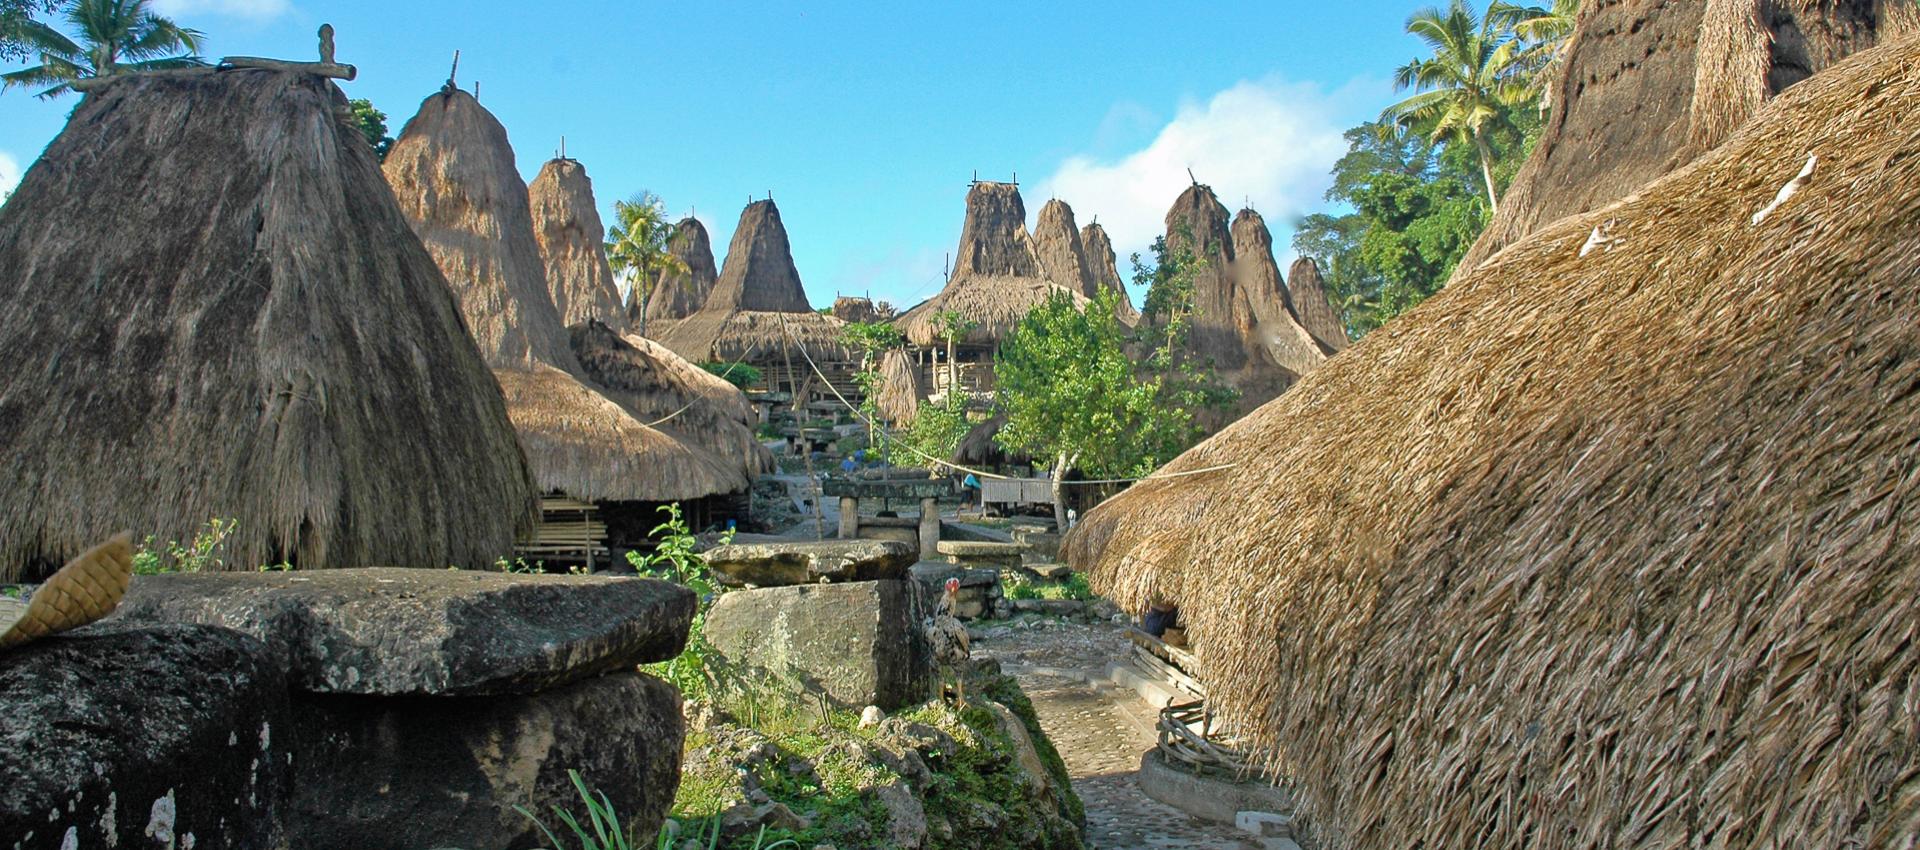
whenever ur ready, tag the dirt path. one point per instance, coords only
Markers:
(1101, 732)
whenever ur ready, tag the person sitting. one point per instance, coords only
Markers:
(1161, 615)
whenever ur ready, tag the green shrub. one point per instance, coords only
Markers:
(738, 374)
(675, 560)
(204, 552)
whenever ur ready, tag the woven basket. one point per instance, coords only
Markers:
(87, 588)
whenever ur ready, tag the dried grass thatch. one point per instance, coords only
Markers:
(1610, 550)
(452, 171)
(900, 389)
(677, 295)
(1285, 342)
(758, 307)
(979, 448)
(1649, 85)
(1307, 295)
(759, 275)
(1063, 257)
(854, 308)
(997, 278)
(567, 227)
(1106, 271)
(215, 310)
(993, 237)
(668, 393)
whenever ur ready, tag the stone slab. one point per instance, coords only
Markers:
(860, 644)
(924, 488)
(791, 563)
(976, 549)
(390, 631)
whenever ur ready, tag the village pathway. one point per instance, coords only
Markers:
(1101, 731)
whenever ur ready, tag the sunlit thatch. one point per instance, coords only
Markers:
(570, 236)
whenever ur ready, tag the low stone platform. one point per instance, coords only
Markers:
(859, 643)
(975, 554)
(783, 564)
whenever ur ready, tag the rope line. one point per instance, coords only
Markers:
(723, 376)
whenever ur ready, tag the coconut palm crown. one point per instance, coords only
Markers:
(115, 37)
(1475, 77)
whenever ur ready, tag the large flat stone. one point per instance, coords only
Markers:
(860, 644)
(415, 772)
(977, 549)
(163, 736)
(411, 632)
(783, 564)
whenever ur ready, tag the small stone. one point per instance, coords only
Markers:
(871, 716)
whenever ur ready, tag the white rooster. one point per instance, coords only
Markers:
(948, 636)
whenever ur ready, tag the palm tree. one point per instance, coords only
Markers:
(637, 247)
(1467, 88)
(1545, 33)
(115, 37)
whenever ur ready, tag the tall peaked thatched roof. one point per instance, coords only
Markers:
(759, 274)
(452, 171)
(672, 395)
(997, 278)
(567, 227)
(1106, 269)
(900, 388)
(679, 294)
(1307, 294)
(759, 305)
(1063, 257)
(1278, 334)
(215, 310)
(1649, 85)
(1605, 547)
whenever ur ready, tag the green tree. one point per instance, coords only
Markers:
(14, 15)
(935, 432)
(1544, 32)
(1468, 88)
(114, 37)
(1072, 392)
(637, 246)
(373, 124)
(738, 374)
(871, 339)
(952, 326)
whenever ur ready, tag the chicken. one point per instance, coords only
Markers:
(948, 636)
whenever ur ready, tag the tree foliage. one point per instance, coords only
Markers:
(637, 244)
(738, 374)
(1469, 88)
(373, 125)
(14, 15)
(111, 37)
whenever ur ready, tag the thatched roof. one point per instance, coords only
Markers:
(677, 295)
(759, 274)
(979, 448)
(1283, 340)
(1596, 547)
(854, 308)
(1649, 85)
(215, 310)
(672, 395)
(1106, 271)
(1063, 257)
(758, 307)
(1307, 294)
(567, 227)
(452, 171)
(900, 390)
(997, 278)
(584, 444)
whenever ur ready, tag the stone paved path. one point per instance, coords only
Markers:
(1101, 731)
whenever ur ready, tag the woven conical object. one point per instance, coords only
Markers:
(87, 588)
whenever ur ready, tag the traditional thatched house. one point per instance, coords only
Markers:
(1609, 543)
(856, 308)
(1307, 296)
(453, 173)
(997, 279)
(568, 230)
(679, 294)
(1648, 85)
(214, 310)
(1106, 271)
(1062, 254)
(900, 390)
(758, 314)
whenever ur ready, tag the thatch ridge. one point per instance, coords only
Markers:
(452, 171)
(759, 274)
(677, 295)
(900, 390)
(1307, 294)
(997, 278)
(214, 309)
(1591, 551)
(1063, 257)
(671, 394)
(993, 236)
(855, 308)
(1106, 269)
(1649, 85)
(567, 228)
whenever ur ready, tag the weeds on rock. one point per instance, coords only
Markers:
(675, 560)
(203, 553)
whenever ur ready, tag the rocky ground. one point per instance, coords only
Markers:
(1100, 731)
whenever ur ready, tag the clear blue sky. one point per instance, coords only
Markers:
(865, 120)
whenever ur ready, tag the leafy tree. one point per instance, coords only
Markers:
(935, 432)
(14, 15)
(1071, 391)
(1544, 33)
(870, 339)
(1468, 88)
(637, 246)
(738, 374)
(373, 125)
(115, 37)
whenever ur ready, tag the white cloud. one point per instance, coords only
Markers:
(257, 10)
(1270, 141)
(9, 174)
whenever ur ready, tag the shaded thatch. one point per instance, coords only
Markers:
(1594, 551)
(668, 393)
(452, 171)
(1106, 271)
(759, 305)
(1281, 337)
(759, 275)
(1063, 257)
(996, 279)
(567, 228)
(1307, 294)
(900, 389)
(1649, 85)
(852, 308)
(584, 444)
(677, 295)
(979, 448)
(215, 310)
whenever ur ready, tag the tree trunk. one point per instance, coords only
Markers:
(1060, 468)
(1486, 170)
(953, 370)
